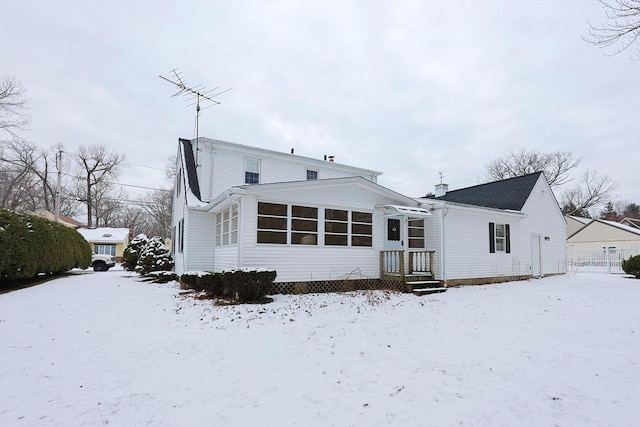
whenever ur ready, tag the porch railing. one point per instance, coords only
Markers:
(392, 263)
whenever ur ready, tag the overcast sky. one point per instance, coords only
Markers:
(410, 89)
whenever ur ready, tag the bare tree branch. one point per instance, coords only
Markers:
(592, 190)
(556, 166)
(623, 28)
(13, 105)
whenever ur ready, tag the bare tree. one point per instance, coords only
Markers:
(13, 105)
(556, 165)
(18, 185)
(158, 205)
(97, 165)
(108, 205)
(622, 29)
(592, 190)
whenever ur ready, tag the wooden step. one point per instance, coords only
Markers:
(426, 291)
(423, 282)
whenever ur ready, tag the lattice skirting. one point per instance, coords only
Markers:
(335, 286)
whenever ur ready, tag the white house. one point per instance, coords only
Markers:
(504, 230)
(314, 220)
(602, 244)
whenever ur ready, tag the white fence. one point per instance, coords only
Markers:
(608, 260)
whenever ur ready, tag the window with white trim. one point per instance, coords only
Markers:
(416, 233)
(272, 223)
(178, 182)
(181, 235)
(361, 228)
(227, 226)
(251, 171)
(304, 225)
(336, 227)
(499, 238)
(104, 249)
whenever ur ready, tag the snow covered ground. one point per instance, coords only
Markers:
(100, 349)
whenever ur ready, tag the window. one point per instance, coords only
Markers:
(173, 240)
(361, 229)
(499, 238)
(227, 226)
(178, 181)
(304, 225)
(251, 171)
(336, 227)
(104, 249)
(311, 174)
(416, 233)
(272, 223)
(181, 235)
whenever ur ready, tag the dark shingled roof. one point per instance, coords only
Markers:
(510, 193)
(190, 165)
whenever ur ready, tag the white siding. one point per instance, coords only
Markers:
(228, 168)
(199, 241)
(544, 217)
(467, 245)
(310, 262)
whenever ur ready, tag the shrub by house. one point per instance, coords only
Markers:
(31, 245)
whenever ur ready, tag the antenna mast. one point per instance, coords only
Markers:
(195, 93)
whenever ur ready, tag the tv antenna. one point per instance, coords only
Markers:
(195, 93)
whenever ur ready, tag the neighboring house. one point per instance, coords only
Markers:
(631, 222)
(504, 230)
(575, 223)
(107, 240)
(62, 219)
(315, 220)
(601, 242)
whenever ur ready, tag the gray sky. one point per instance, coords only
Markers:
(406, 88)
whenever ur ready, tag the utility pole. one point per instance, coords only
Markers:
(58, 184)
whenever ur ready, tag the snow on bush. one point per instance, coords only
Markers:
(154, 257)
(132, 252)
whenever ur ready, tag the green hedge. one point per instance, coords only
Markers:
(247, 285)
(632, 266)
(31, 245)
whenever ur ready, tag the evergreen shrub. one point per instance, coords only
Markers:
(154, 257)
(31, 245)
(132, 252)
(251, 285)
(632, 266)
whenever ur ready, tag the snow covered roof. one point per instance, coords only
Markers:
(621, 226)
(580, 219)
(105, 234)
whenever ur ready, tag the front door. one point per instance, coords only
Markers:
(394, 235)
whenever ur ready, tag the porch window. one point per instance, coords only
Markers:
(251, 171)
(272, 223)
(336, 227)
(312, 174)
(499, 238)
(304, 225)
(361, 229)
(416, 233)
(104, 249)
(227, 226)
